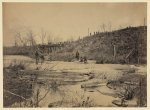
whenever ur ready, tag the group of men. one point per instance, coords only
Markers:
(81, 59)
(40, 57)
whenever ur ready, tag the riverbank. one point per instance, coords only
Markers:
(66, 78)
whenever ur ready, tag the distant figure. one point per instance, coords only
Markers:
(81, 59)
(77, 55)
(42, 58)
(85, 59)
(36, 57)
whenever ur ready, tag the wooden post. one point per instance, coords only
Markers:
(140, 86)
(25, 93)
(138, 60)
(114, 51)
(144, 21)
(20, 95)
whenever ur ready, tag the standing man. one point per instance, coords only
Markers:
(36, 56)
(85, 59)
(77, 55)
(42, 58)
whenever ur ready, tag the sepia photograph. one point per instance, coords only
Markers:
(74, 55)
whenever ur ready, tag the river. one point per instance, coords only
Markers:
(70, 76)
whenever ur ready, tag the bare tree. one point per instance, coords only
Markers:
(43, 35)
(17, 35)
(20, 40)
(49, 38)
(23, 41)
(31, 39)
(103, 27)
(57, 38)
(109, 26)
(38, 97)
(16, 44)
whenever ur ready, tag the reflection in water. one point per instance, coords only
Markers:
(74, 95)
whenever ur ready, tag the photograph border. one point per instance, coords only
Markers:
(74, 1)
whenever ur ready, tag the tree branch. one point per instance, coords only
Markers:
(15, 94)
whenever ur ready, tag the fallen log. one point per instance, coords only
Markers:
(92, 85)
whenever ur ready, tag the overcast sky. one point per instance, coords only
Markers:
(67, 20)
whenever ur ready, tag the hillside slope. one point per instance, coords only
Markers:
(130, 46)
